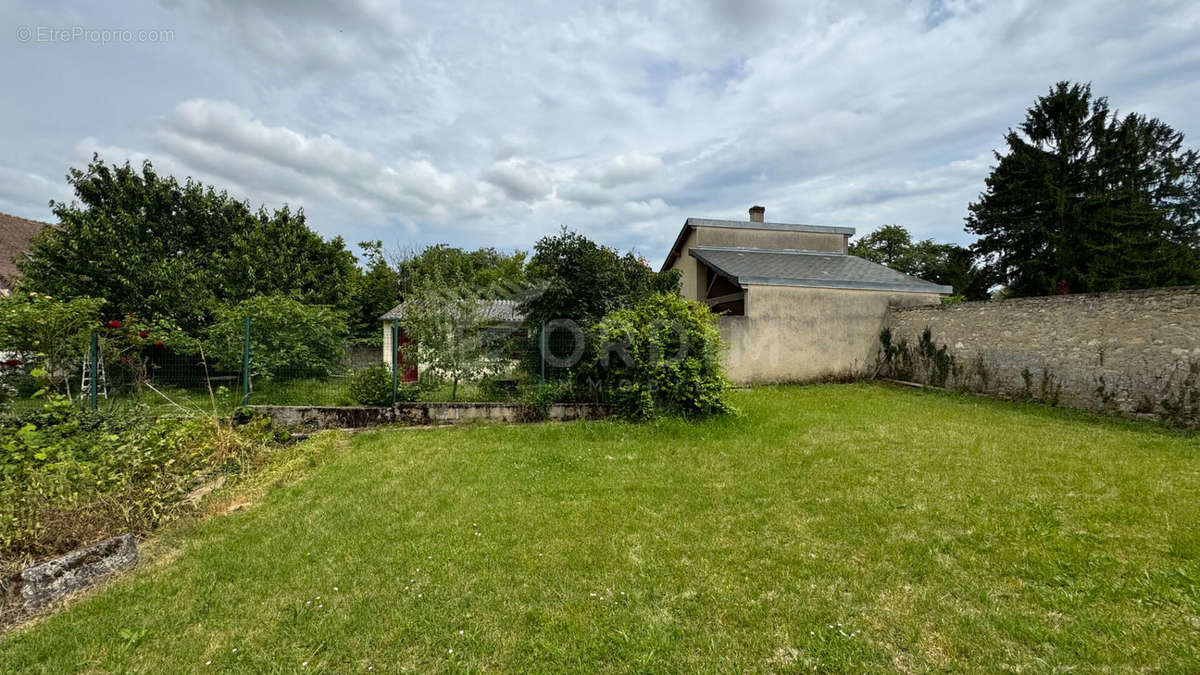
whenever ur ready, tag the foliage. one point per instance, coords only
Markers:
(1086, 200)
(287, 337)
(447, 325)
(68, 477)
(49, 334)
(946, 264)
(584, 281)
(660, 357)
(174, 252)
(376, 289)
(372, 385)
(485, 269)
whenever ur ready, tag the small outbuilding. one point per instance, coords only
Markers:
(794, 306)
(505, 317)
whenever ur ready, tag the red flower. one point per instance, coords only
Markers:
(12, 363)
(158, 343)
(144, 334)
(114, 324)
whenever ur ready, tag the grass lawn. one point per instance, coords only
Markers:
(841, 527)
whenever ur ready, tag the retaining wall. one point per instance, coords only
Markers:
(1128, 351)
(351, 417)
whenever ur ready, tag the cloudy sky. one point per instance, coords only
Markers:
(481, 123)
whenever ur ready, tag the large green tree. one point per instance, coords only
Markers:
(1089, 200)
(948, 264)
(484, 268)
(583, 281)
(166, 250)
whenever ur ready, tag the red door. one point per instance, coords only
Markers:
(408, 371)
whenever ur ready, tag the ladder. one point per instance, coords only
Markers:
(85, 382)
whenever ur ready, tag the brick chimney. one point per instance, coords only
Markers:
(757, 213)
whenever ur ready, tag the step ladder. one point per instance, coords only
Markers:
(85, 382)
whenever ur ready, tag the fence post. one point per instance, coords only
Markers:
(542, 351)
(93, 368)
(246, 364)
(395, 360)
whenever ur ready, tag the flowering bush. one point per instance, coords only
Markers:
(40, 333)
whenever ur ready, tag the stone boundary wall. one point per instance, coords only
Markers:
(313, 418)
(1128, 351)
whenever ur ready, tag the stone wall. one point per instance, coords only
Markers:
(313, 418)
(1129, 351)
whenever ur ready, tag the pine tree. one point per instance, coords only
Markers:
(1087, 200)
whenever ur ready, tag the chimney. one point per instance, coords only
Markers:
(757, 213)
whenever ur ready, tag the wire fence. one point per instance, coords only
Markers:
(102, 375)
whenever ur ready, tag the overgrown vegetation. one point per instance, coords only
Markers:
(287, 337)
(69, 477)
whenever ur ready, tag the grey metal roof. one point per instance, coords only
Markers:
(777, 267)
(692, 223)
(503, 311)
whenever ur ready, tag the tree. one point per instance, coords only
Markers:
(946, 264)
(168, 251)
(484, 268)
(446, 325)
(583, 281)
(376, 290)
(1088, 200)
(287, 337)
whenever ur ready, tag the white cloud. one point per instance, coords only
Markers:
(493, 123)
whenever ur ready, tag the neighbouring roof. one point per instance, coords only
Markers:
(503, 311)
(15, 234)
(778, 267)
(693, 223)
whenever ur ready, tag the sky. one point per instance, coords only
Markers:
(492, 124)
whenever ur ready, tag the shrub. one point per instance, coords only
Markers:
(661, 356)
(372, 385)
(287, 337)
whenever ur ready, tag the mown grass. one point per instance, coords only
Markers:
(841, 527)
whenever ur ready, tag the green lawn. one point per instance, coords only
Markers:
(841, 527)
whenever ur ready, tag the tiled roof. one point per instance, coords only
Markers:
(15, 234)
(504, 311)
(771, 267)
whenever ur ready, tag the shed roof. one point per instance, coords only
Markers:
(503, 311)
(693, 223)
(781, 267)
(15, 234)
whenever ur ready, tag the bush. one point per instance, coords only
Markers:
(287, 337)
(372, 385)
(660, 357)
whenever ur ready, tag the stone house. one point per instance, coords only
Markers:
(794, 306)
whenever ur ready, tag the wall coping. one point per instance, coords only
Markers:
(1050, 299)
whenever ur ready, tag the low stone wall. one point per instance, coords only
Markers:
(1129, 351)
(313, 418)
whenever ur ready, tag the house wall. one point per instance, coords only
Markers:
(792, 334)
(773, 239)
(1129, 351)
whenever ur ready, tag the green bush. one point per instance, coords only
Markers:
(287, 337)
(372, 385)
(660, 357)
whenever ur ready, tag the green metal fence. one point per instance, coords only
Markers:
(104, 377)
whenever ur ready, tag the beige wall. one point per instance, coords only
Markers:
(749, 238)
(692, 276)
(792, 334)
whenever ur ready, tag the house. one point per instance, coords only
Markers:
(794, 305)
(505, 317)
(15, 236)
